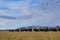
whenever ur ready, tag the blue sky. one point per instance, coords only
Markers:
(23, 13)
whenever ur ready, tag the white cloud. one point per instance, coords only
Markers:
(26, 16)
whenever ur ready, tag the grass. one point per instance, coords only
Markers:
(29, 35)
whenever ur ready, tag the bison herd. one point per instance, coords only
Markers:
(46, 29)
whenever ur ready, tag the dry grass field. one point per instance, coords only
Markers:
(29, 35)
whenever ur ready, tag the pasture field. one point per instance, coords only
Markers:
(29, 35)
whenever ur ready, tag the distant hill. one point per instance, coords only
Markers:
(42, 27)
(32, 27)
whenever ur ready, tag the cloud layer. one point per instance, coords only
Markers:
(22, 13)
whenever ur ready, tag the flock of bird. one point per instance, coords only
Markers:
(50, 4)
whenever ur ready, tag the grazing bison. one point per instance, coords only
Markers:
(44, 29)
(26, 30)
(14, 30)
(54, 29)
(36, 30)
(17, 30)
(58, 28)
(11, 30)
(22, 30)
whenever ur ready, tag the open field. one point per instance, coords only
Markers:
(29, 35)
